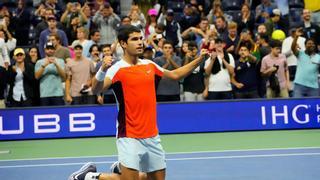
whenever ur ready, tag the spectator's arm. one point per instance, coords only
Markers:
(179, 36)
(97, 18)
(39, 69)
(28, 73)
(294, 46)
(173, 63)
(67, 89)
(286, 48)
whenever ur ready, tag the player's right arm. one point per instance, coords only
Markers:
(100, 82)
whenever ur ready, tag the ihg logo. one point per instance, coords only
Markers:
(301, 114)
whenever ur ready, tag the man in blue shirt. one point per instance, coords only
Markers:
(306, 78)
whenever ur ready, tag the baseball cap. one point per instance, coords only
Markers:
(170, 12)
(76, 46)
(49, 45)
(18, 51)
(275, 12)
(51, 18)
(153, 12)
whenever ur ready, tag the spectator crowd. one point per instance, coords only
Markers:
(51, 49)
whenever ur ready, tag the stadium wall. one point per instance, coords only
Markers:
(208, 116)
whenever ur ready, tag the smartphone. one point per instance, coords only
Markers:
(159, 36)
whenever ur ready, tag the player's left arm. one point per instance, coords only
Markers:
(183, 71)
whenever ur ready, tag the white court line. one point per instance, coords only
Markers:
(171, 159)
(5, 152)
(173, 153)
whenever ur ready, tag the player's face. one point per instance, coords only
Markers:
(135, 44)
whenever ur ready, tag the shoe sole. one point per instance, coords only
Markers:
(84, 167)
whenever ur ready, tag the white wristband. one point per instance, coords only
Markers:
(100, 75)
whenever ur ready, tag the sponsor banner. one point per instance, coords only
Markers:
(86, 121)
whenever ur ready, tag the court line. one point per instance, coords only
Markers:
(171, 159)
(172, 153)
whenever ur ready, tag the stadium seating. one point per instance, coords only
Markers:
(232, 4)
(296, 4)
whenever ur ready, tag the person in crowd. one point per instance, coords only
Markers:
(32, 57)
(95, 54)
(310, 30)
(21, 21)
(107, 97)
(3, 86)
(222, 27)
(168, 90)
(73, 9)
(50, 71)
(306, 79)
(148, 53)
(274, 22)
(151, 22)
(52, 28)
(232, 39)
(43, 24)
(245, 74)
(136, 21)
(263, 10)
(215, 12)
(189, 18)
(10, 41)
(219, 69)
(291, 58)
(274, 67)
(82, 39)
(60, 52)
(193, 84)
(107, 22)
(94, 37)
(246, 20)
(79, 71)
(172, 30)
(4, 54)
(21, 81)
(200, 33)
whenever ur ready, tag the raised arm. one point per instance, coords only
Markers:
(100, 82)
(183, 71)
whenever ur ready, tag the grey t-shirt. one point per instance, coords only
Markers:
(168, 86)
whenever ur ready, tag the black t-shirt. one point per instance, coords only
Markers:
(246, 73)
(195, 81)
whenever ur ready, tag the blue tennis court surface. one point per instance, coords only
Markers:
(260, 164)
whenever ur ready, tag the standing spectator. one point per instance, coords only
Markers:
(232, 39)
(135, 21)
(5, 34)
(32, 57)
(193, 84)
(60, 52)
(291, 58)
(151, 22)
(222, 27)
(21, 21)
(3, 86)
(136, 9)
(4, 54)
(246, 21)
(274, 66)
(274, 22)
(215, 12)
(264, 10)
(53, 4)
(107, 22)
(314, 7)
(306, 79)
(82, 39)
(73, 10)
(245, 79)
(107, 97)
(41, 26)
(80, 71)
(94, 37)
(52, 28)
(95, 54)
(50, 72)
(219, 68)
(21, 81)
(168, 90)
(310, 29)
(189, 18)
(200, 33)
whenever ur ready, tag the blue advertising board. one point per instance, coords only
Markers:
(209, 116)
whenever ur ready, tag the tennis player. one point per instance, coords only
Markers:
(134, 82)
